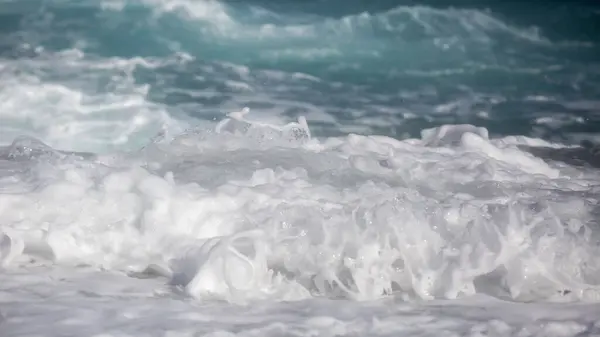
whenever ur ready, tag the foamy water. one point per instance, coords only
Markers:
(257, 213)
(45, 97)
(401, 170)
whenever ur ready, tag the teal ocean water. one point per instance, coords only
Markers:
(369, 67)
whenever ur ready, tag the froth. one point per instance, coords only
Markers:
(208, 10)
(254, 210)
(38, 97)
(433, 22)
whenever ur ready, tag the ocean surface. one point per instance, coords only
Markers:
(299, 168)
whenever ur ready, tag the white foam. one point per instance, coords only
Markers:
(559, 120)
(450, 134)
(210, 10)
(515, 157)
(38, 98)
(436, 23)
(527, 141)
(81, 302)
(264, 211)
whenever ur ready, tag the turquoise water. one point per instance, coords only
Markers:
(386, 67)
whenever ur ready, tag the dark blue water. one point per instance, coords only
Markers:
(376, 67)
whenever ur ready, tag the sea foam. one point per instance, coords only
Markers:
(251, 210)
